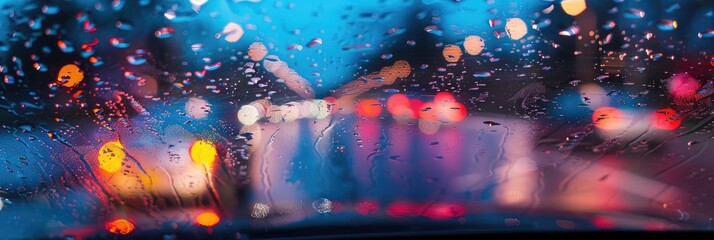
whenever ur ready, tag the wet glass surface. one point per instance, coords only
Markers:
(246, 118)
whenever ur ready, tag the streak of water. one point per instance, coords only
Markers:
(321, 158)
(265, 167)
(492, 163)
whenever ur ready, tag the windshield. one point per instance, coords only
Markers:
(290, 118)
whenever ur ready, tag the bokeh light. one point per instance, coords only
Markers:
(332, 104)
(516, 28)
(251, 113)
(608, 118)
(208, 219)
(683, 85)
(203, 152)
(474, 45)
(369, 108)
(120, 226)
(452, 53)
(233, 32)
(319, 109)
(573, 7)
(453, 112)
(594, 96)
(665, 119)
(428, 111)
(397, 102)
(444, 97)
(197, 108)
(257, 51)
(70, 75)
(111, 156)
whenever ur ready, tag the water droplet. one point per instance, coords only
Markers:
(707, 33)
(667, 25)
(232, 31)
(571, 31)
(542, 24)
(118, 42)
(260, 210)
(314, 42)
(322, 205)
(65, 46)
(634, 13)
(494, 22)
(211, 67)
(50, 9)
(482, 74)
(433, 29)
(164, 32)
(139, 57)
(491, 123)
(609, 25)
(124, 25)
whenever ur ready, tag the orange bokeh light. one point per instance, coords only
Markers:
(208, 219)
(397, 103)
(369, 108)
(119, 226)
(666, 119)
(608, 118)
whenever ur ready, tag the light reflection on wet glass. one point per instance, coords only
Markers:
(251, 117)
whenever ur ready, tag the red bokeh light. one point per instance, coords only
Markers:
(453, 112)
(444, 97)
(366, 207)
(332, 104)
(443, 211)
(603, 222)
(429, 111)
(402, 209)
(666, 119)
(415, 105)
(369, 108)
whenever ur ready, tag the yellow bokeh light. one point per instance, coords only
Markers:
(111, 156)
(204, 152)
(573, 7)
